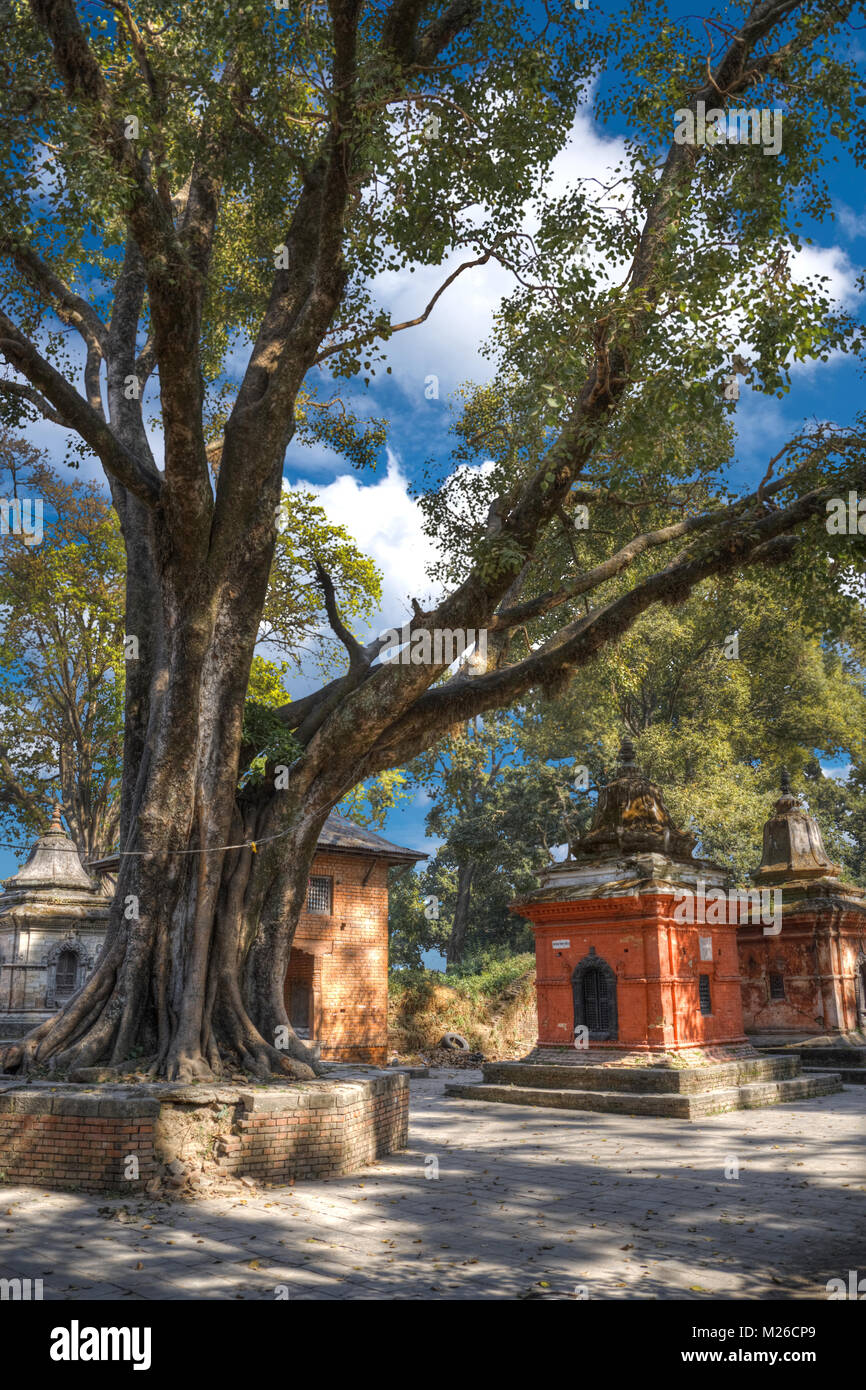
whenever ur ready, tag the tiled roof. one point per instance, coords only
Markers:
(341, 834)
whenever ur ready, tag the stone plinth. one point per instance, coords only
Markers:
(672, 1091)
(170, 1139)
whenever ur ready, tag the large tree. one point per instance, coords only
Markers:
(183, 182)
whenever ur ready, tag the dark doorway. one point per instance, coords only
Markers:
(594, 990)
(67, 968)
(596, 1005)
(300, 1007)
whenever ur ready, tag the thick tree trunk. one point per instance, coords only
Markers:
(168, 989)
(457, 939)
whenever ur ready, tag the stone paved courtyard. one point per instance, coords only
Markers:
(525, 1199)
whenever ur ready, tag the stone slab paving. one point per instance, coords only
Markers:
(552, 1202)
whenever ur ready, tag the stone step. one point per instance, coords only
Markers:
(14, 1026)
(848, 1052)
(851, 1076)
(848, 1057)
(683, 1106)
(647, 1080)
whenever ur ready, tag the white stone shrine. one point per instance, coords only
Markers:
(53, 918)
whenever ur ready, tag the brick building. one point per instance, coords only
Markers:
(809, 979)
(616, 954)
(53, 919)
(649, 949)
(637, 976)
(337, 983)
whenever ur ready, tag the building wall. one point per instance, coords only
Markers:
(657, 963)
(819, 955)
(30, 945)
(343, 957)
(340, 957)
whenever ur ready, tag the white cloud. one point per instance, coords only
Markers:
(852, 223)
(316, 458)
(839, 774)
(448, 344)
(829, 261)
(386, 524)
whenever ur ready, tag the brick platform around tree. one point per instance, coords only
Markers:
(66, 1136)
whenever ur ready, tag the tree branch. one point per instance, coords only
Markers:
(409, 323)
(141, 478)
(768, 540)
(27, 393)
(69, 307)
(353, 647)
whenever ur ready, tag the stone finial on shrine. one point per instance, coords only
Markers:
(793, 850)
(631, 816)
(53, 864)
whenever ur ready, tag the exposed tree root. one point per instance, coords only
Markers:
(82, 1035)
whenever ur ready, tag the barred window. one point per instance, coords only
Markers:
(319, 894)
(777, 987)
(704, 994)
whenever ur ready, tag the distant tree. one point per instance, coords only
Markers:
(714, 729)
(61, 659)
(416, 923)
(499, 817)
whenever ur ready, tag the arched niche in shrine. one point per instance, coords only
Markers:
(67, 967)
(594, 988)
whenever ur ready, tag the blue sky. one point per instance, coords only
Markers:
(376, 505)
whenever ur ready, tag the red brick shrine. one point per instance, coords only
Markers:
(640, 1008)
(809, 980)
(619, 952)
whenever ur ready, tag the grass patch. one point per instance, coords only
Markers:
(493, 1007)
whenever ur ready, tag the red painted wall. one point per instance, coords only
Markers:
(819, 955)
(657, 964)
